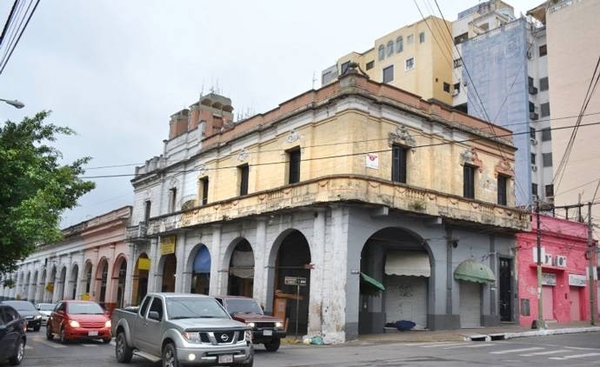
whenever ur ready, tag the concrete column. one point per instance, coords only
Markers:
(128, 291)
(81, 281)
(179, 268)
(261, 257)
(153, 274)
(110, 282)
(216, 276)
(319, 291)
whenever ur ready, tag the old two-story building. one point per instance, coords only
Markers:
(342, 209)
(89, 263)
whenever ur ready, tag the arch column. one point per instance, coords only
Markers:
(262, 288)
(110, 296)
(319, 293)
(153, 273)
(180, 264)
(80, 284)
(217, 281)
(131, 261)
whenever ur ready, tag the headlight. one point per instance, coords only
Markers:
(107, 323)
(192, 337)
(74, 323)
(279, 325)
(37, 317)
(251, 324)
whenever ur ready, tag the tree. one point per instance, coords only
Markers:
(35, 188)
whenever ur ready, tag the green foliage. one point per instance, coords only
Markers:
(35, 189)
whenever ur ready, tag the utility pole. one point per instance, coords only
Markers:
(540, 320)
(592, 268)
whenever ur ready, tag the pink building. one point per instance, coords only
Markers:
(565, 271)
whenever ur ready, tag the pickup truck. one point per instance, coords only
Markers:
(267, 330)
(180, 328)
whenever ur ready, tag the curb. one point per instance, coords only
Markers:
(541, 332)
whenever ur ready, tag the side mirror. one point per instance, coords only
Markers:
(153, 315)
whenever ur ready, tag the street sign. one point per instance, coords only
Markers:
(300, 281)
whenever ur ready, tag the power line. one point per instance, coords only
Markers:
(20, 31)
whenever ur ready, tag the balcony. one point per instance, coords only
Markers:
(136, 233)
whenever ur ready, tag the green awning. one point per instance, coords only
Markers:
(371, 281)
(473, 271)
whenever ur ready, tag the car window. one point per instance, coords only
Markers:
(7, 315)
(46, 306)
(84, 308)
(192, 307)
(243, 305)
(157, 306)
(145, 306)
(61, 307)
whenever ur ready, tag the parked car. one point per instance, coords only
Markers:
(12, 335)
(78, 320)
(178, 328)
(267, 330)
(29, 312)
(45, 309)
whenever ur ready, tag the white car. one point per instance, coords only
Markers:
(45, 309)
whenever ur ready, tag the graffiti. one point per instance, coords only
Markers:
(406, 290)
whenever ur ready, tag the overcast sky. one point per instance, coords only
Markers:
(115, 71)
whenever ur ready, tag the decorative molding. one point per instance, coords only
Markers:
(293, 136)
(174, 183)
(402, 136)
(243, 156)
(469, 156)
(504, 167)
(202, 169)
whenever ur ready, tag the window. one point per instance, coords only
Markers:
(409, 64)
(543, 50)
(544, 84)
(546, 134)
(399, 163)
(547, 159)
(147, 207)
(461, 38)
(243, 172)
(469, 181)
(293, 166)
(532, 158)
(390, 48)
(534, 189)
(399, 44)
(172, 200)
(370, 65)
(456, 88)
(145, 306)
(410, 39)
(381, 52)
(446, 87)
(345, 67)
(203, 190)
(388, 74)
(531, 107)
(458, 63)
(502, 181)
(549, 190)
(532, 132)
(157, 307)
(530, 81)
(422, 37)
(545, 107)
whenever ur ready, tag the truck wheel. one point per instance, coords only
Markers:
(169, 356)
(273, 345)
(122, 351)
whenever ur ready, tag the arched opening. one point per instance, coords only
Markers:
(72, 284)
(395, 271)
(140, 279)
(292, 282)
(61, 283)
(102, 279)
(168, 278)
(201, 271)
(121, 277)
(88, 281)
(241, 270)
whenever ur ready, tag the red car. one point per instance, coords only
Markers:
(78, 320)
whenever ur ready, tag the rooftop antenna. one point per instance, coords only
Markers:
(314, 79)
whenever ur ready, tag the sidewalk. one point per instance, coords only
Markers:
(503, 332)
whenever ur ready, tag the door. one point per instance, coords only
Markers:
(470, 304)
(575, 303)
(548, 302)
(506, 293)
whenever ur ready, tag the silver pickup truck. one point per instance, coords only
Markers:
(190, 329)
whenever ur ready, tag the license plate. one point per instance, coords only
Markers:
(93, 333)
(225, 358)
(267, 332)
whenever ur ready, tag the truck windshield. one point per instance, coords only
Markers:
(190, 307)
(243, 306)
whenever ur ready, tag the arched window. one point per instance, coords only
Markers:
(399, 44)
(381, 52)
(390, 48)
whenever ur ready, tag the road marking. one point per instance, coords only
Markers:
(575, 356)
(516, 350)
(470, 346)
(88, 345)
(436, 345)
(51, 344)
(545, 353)
(28, 347)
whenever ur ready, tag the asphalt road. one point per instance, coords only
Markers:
(559, 350)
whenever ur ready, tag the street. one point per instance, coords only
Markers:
(581, 349)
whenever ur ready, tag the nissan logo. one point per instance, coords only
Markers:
(224, 337)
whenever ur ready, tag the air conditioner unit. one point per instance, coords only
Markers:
(533, 116)
(533, 141)
(561, 261)
(455, 92)
(533, 167)
(542, 250)
(547, 259)
(533, 90)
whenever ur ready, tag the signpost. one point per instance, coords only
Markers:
(298, 282)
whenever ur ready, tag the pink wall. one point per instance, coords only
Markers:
(560, 238)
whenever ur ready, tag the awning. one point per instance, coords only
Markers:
(371, 281)
(409, 263)
(474, 271)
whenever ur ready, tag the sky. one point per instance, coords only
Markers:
(115, 71)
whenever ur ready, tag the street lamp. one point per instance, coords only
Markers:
(15, 103)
